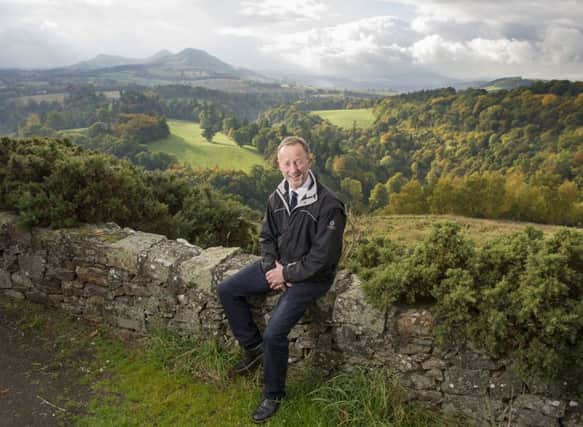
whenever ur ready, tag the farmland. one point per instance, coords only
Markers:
(346, 118)
(188, 145)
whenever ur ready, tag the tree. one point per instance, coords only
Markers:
(411, 199)
(210, 122)
(379, 197)
(352, 189)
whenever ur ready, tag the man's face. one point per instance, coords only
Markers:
(294, 164)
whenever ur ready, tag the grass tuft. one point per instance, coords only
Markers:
(372, 397)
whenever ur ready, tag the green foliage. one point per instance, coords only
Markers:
(141, 128)
(519, 296)
(54, 183)
(379, 197)
(545, 199)
(209, 216)
(210, 122)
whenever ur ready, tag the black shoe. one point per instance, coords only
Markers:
(265, 410)
(250, 360)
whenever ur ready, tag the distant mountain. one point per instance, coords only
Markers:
(190, 59)
(391, 82)
(507, 83)
(108, 61)
(189, 66)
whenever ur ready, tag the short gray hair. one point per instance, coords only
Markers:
(294, 140)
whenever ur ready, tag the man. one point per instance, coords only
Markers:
(301, 243)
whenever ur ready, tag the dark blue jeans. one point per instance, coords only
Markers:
(290, 307)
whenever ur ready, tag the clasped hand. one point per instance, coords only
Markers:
(275, 278)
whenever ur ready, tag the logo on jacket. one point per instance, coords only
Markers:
(331, 225)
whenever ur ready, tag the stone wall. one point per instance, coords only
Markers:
(136, 281)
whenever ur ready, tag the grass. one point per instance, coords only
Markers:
(181, 381)
(172, 380)
(412, 229)
(51, 97)
(187, 143)
(346, 118)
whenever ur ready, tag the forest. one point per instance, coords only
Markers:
(514, 154)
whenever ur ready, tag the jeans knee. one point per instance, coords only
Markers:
(272, 338)
(224, 290)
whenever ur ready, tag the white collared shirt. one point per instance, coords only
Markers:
(301, 192)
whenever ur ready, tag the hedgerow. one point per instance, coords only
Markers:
(519, 296)
(53, 183)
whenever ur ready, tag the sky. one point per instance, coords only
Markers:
(466, 39)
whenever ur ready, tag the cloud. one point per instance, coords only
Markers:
(445, 35)
(563, 45)
(28, 48)
(311, 10)
(342, 37)
(434, 49)
(361, 43)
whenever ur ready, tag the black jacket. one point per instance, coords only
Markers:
(306, 241)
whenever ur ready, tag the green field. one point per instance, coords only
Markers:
(413, 229)
(346, 118)
(188, 145)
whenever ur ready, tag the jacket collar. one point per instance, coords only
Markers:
(311, 195)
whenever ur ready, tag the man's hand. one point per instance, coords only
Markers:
(275, 278)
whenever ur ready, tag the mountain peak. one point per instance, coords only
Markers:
(195, 58)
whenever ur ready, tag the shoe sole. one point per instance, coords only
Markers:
(253, 364)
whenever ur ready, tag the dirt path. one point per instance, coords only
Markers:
(38, 387)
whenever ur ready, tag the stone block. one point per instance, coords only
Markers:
(422, 382)
(530, 418)
(548, 407)
(72, 288)
(32, 266)
(12, 293)
(38, 297)
(20, 281)
(484, 410)
(6, 219)
(5, 280)
(165, 255)
(416, 348)
(415, 323)
(95, 300)
(436, 374)
(91, 290)
(573, 415)
(434, 363)
(95, 275)
(468, 382)
(56, 299)
(431, 396)
(404, 363)
(200, 271)
(127, 253)
(132, 324)
(350, 308)
(505, 385)
(138, 289)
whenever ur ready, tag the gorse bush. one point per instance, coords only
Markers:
(54, 183)
(519, 295)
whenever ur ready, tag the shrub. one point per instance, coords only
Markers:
(519, 296)
(53, 183)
